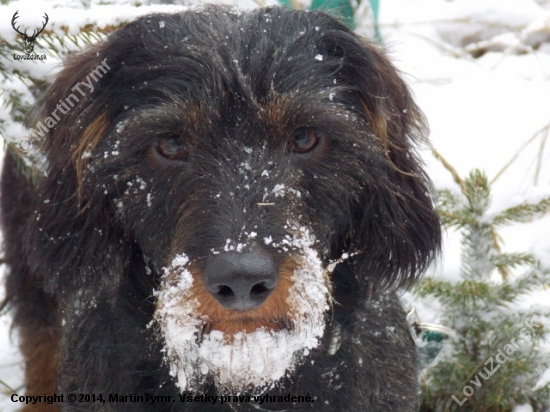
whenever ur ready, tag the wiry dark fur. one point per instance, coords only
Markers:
(78, 282)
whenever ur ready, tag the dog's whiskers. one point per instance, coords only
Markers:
(344, 257)
(205, 329)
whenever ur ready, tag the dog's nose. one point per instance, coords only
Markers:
(241, 281)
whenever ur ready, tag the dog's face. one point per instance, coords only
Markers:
(234, 157)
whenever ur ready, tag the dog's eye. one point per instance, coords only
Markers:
(304, 140)
(171, 148)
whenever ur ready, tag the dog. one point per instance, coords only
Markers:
(230, 202)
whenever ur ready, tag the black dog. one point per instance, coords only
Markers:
(229, 203)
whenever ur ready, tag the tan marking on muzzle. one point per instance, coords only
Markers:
(274, 314)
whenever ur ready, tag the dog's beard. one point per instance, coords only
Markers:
(249, 362)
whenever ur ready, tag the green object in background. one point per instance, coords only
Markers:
(433, 342)
(429, 337)
(374, 4)
(343, 10)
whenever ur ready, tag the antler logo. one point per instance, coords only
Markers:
(29, 40)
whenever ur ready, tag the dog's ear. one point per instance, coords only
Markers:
(394, 225)
(399, 225)
(70, 241)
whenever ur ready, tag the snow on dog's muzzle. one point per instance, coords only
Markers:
(243, 349)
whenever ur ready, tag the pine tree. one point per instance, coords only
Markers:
(495, 360)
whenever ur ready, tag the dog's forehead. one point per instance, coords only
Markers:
(242, 56)
(266, 70)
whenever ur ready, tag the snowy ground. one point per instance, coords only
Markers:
(483, 111)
